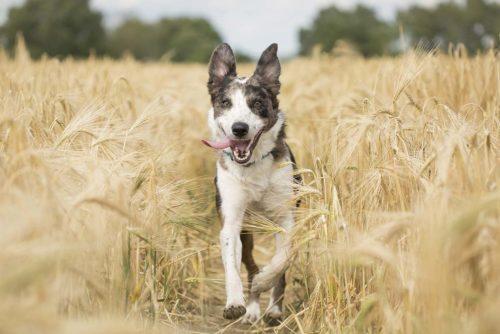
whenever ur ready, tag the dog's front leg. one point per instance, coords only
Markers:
(232, 211)
(230, 245)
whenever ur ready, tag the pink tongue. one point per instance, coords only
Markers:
(220, 145)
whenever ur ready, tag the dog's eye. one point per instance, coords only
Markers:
(259, 106)
(226, 103)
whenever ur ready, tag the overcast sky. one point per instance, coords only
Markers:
(249, 26)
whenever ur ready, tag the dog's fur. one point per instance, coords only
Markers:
(261, 181)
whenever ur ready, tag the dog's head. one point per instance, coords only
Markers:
(243, 108)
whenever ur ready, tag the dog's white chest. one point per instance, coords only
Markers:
(266, 184)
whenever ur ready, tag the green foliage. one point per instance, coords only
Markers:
(360, 27)
(70, 27)
(475, 24)
(179, 39)
(56, 27)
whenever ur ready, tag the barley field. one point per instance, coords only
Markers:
(107, 212)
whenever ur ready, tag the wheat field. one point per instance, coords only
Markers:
(107, 212)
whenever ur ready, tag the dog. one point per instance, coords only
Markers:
(255, 172)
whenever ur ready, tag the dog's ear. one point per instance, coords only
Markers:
(222, 64)
(269, 69)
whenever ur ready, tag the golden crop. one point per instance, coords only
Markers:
(107, 204)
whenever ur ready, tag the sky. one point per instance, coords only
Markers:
(249, 26)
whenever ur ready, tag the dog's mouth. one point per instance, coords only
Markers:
(241, 149)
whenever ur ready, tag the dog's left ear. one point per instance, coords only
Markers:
(269, 69)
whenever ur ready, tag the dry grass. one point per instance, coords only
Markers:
(106, 200)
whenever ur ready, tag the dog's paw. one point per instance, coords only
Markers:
(272, 317)
(253, 313)
(272, 320)
(234, 312)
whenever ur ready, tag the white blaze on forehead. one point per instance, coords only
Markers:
(240, 105)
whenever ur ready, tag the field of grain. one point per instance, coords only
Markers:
(107, 212)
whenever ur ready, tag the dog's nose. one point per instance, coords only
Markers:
(239, 129)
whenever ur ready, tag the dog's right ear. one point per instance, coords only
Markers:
(222, 65)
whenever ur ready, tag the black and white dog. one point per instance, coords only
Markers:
(254, 172)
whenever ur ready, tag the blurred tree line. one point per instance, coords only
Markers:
(179, 39)
(475, 23)
(359, 27)
(55, 27)
(69, 27)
